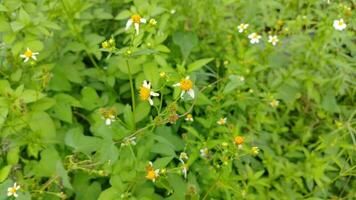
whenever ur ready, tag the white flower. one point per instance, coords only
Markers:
(254, 38)
(11, 191)
(339, 24)
(146, 93)
(136, 20)
(189, 117)
(186, 85)
(222, 121)
(28, 54)
(204, 152)
(185, 170)
(242, 27)
(241, 78)
(273, 39)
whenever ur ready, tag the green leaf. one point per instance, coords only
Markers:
(196, 65)
(125, 14)
(109, 194)
(4, 172)
(81, 143)
(128, 117)
(142, 111)
(29, 96)
(3, 115)
(16, 26)
(186, 41)
(42, 124)
(90, 99)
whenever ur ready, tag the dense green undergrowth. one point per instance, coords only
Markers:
(171, 99)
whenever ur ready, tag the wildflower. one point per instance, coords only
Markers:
(204, 152)
(274, 103)
(339, 24)
(273, 39)
(225, 144)
(173, 118)
(241, 78)
(152, 22)
(222, 121)
(185, 170)
(152, 174)
(109, 115)
(183, 157)
(11, 191)
(162, 74)
(254, 38)
(242, 27)
(186, 85)
(129, 141)
(105, 45)
(189, 117)
(146, 93)
(255, 151)
(28, 54)
(239, 140)
(136, 20)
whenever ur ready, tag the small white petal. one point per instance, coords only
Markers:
(191, 93)
(176, 85)
(187, 77)
(23, 56)
(143, 20)
(150, 101)
(154, 94)
(146, 84)
(34, 57)
(9, 194)
(137, 28)
(15, 195)
(128, 24)
(108, 121)
(26, 59)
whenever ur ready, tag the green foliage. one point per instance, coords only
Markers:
(91, 107)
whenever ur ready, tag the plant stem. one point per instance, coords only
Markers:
(132, 92)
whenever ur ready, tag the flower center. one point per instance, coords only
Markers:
(151, 175)
(136, 18)
(239, 140)
(255, 36)
(186, 84)
(190, 116)
(341, 23)
(28, 53)
(144, 93)
(13, 190)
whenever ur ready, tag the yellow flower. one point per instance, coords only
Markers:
(146, 93)
(11, 191)
(28, 54)
(274, 103)
(239, 140)
(222, 121)
(255, 151)
(189, 117)
(186, 85)
(152, 22)
(162, 74)
(152, 174)
(136, 20)
(105, 45)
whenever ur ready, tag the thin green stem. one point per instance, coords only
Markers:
(132, 92)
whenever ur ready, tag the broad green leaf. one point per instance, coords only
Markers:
(198, 64)
(186, 42)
